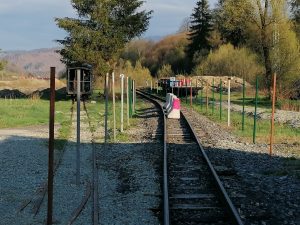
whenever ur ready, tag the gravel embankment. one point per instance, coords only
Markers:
(129, 175)
(291, 118)
(263, 188)
(23, 160)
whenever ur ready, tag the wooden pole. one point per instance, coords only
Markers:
(273, 112)
(51, 147)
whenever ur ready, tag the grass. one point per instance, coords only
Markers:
(283, 133)
(31, 112)
(28, 112)
(97, 115)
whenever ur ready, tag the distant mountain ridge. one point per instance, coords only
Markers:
(35, 62)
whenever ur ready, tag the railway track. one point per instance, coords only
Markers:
(192, 191)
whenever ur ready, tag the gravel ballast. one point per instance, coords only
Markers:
(256, 182)
(263, 188)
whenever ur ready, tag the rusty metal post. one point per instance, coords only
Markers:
(78, 74)
(273, 112)
(51, 147)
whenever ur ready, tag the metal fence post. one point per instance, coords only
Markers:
(130, 98)
(243, 114)
(255, 111)
(213, 97)
(207, 97)
(51, 147)
(186, 91)
(228, 100)
(201, 97)
(122, 102)
(191, 94)
(273, 112)
(114, 105)
(78, 74)
(106, 107)
(133, 98)
(127, 98)
(221, 99)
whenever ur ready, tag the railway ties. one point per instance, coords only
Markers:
(192, 190)
(192, 198)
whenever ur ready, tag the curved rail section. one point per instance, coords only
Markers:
(192, 190)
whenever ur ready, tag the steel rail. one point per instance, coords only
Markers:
(231, 210)
(166, 210)
(95, 206)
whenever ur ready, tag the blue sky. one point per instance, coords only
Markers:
(29, 24)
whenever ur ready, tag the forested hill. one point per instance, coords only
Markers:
(35, 62)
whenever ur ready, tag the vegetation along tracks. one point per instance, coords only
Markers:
(192, 190)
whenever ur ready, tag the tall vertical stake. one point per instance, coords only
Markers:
(228, 101)
(78, 74)
(114, 105)
(273, 112)
(255, 111)
(51, 147)
(207, 97)
(130, 97)
(186, 92)
(196, 91)
(106, 107)
(213, 97)
(243, 114)
(133, 96)
(191, 94)
(127, 98)
(220, 99)
(122, 102)
(201, 96)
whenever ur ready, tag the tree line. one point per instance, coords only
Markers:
(245, 38)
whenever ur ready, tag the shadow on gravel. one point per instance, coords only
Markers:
(264, 189)
(147, 113)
